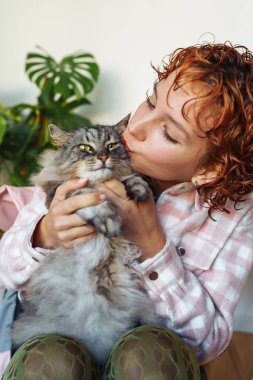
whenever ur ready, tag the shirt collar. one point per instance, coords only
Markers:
(181, 188)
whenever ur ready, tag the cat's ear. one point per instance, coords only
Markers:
(59, 136)
(121, 126)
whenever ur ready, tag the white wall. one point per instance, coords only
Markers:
(125, 36)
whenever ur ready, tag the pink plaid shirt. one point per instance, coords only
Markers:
(195, 280)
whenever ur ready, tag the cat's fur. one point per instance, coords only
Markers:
(91, 292)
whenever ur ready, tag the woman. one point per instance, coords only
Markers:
(192, 138)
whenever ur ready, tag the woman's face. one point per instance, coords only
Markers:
(161, 142)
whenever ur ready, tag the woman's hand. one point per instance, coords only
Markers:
(140, 222)
(61, 225)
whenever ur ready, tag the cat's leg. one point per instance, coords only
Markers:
(104, 217)
(136, 188)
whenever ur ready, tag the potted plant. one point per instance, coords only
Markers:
(23, 127)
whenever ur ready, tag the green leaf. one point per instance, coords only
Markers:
(38, 76)
(81, 55)
(75, 75)
(47, 92)
(86, 83)
(3, 128)
(21, 107)
(17, 180)
(70, 121)
(76, 103)
(91, 67)
(62, 86)
(37, 55)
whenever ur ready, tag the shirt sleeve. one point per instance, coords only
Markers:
(199, 303)
(18, 259)
(12, 199)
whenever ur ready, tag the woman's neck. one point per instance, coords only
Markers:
(163, 185)
(158, 186)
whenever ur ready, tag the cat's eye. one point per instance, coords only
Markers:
(112, 146)
(86, 148)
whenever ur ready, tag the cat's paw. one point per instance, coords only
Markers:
(137, 189)
(104, 217)
(110, 226)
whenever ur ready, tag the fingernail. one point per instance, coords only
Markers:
(102, 197)
(82, 180)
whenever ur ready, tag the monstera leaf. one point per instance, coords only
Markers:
(65, 83)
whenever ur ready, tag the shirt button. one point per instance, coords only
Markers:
(181, 251)
(153, 276)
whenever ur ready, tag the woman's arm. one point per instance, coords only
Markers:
(200, 303)
(12, 199)
(197, 300)
(17, 258)
(37, 231)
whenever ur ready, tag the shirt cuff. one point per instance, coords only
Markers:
(162, 270)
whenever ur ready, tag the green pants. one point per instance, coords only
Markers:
(147, 352)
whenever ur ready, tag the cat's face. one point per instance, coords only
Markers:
(96, 153)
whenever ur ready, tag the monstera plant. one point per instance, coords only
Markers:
(63, 87)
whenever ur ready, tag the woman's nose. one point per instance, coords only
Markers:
(139, 128)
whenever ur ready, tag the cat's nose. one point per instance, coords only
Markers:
(102, 158)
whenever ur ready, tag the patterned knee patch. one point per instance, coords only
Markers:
(52, 357)
(151, 352)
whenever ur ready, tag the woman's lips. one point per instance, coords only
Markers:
(124, 141)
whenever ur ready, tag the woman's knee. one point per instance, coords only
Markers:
(151, 352)
(53, 357)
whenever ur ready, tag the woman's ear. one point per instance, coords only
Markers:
(201, 178)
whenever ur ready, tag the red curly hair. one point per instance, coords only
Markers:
(227, 72)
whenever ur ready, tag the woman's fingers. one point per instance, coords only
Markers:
(73, 236)
(116, 193)
(72, 204)
(64, 222)
(64, 205)
(115, 187)
(52, 231)
(66, 187)
(75, 233)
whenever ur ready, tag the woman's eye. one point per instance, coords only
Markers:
(168, 137)
(86, 148)
(149, 103)
(112, 146)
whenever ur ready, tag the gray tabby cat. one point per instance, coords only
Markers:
(91, 292)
